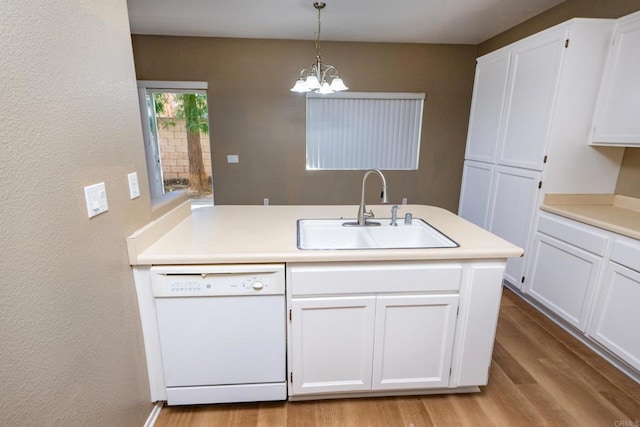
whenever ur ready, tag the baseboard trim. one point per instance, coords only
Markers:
(382, 393)
(154, 415)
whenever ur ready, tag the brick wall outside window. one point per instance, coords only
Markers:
(173, 150)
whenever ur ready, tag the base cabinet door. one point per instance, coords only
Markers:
(475, 192)
(563, 278)
(515, 196)
(413, 341)
(617, 316)
(332, 344)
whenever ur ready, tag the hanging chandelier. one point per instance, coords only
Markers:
(319, 77)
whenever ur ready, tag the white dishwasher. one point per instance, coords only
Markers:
(222, 332)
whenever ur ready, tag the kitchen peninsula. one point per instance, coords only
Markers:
(358, 322)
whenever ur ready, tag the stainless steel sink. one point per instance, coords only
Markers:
(332, 234)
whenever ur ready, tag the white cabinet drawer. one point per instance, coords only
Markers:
(372, 278)
(577, 234)
(626, 252)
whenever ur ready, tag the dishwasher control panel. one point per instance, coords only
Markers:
(187, 281)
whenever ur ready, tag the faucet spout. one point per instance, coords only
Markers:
(362, 210)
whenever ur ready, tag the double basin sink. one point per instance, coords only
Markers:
(332, 234)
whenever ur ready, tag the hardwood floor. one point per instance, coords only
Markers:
(540, 375)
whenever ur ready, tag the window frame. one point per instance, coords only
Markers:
(397, 126)
(158, 197)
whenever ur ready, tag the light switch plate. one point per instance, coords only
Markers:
(96, 198)
(134, 188)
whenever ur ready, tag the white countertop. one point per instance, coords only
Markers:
(260, 234)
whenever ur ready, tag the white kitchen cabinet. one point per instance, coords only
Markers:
(567, 257)
(514, 200)
(413, 341)
(616, 314)
(385, 327)
(616, 120)
(544, 124)
(534, 78)
(588, 280)
(373, 340)
(475, 193)
(333, 341)
(563, 278)
(489, 89)
(334, 338)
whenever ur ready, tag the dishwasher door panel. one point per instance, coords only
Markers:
(222, 340)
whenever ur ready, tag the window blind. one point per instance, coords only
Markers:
(362, 130)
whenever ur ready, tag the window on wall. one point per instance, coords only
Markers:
(176, 136)
(362, 130)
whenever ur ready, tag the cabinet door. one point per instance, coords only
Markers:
(535, 70)
(476, 192)
(563, 278)
(616, 315)
(332, 344)
(618, 106)
(515, 198)
(413, 341)
(487, 106)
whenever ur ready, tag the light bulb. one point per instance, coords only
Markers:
(325, 89)
(312, 82)
(337, 85)
(300, 86)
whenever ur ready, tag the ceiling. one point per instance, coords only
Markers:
(399, 21)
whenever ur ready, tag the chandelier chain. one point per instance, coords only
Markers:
(318, 6)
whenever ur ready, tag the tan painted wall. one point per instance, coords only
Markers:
(71, 349)
(254, 115)
(629, 179)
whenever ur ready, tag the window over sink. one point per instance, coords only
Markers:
(364, 130)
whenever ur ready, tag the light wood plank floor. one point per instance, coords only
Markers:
(540, 375)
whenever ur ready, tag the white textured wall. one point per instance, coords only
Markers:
(70, 343)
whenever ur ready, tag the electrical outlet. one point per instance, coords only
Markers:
(134, 188)
(233, 158)
(404, 200)
(96, 198)
(266, 201)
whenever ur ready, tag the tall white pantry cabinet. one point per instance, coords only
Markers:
(531, 116)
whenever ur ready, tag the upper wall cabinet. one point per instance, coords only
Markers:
(617, 119)
(535, 68)
(534, 101)
(489, 89)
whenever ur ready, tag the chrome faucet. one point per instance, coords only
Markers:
(394, 215)
(362, 210)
